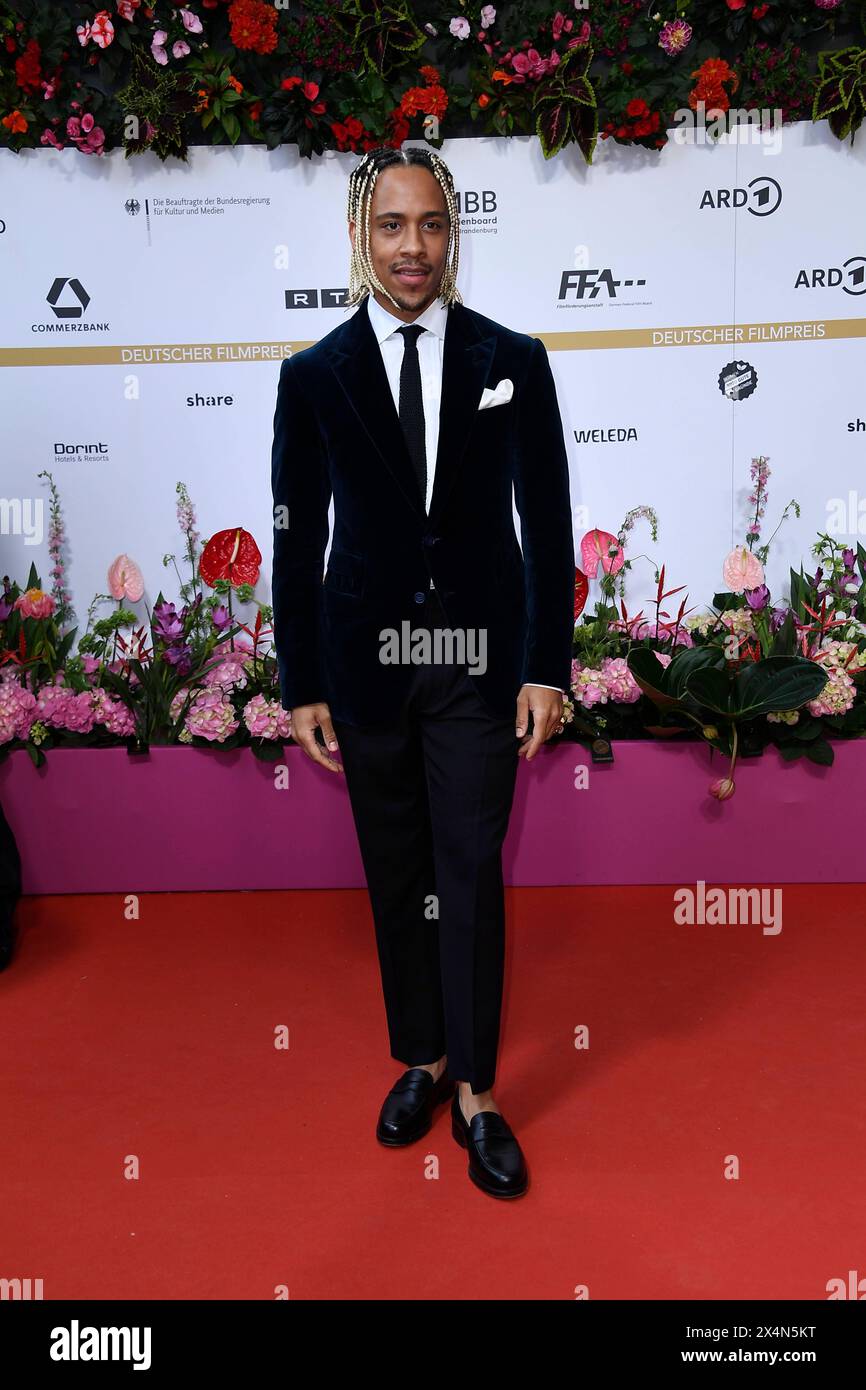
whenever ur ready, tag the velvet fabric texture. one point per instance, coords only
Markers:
(337, 434)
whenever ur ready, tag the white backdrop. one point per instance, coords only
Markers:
(170, 298)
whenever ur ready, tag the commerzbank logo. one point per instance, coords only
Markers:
(68, 298)
(69, 302)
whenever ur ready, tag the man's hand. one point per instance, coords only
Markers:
(546, 706)
(306, 719)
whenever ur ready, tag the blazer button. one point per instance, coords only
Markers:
(419, 597)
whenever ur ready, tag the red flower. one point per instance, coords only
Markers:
(28, 73)
(637, 107)
(736, 4)
(289, 82)
(759, 11)
(253, 25)
(581, 592)
(231, 555)
(311, 90)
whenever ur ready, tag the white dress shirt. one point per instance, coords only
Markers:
(431, 344)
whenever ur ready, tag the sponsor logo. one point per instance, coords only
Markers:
(315, 299)
(737, 380)
(762, 197)
(850, 277)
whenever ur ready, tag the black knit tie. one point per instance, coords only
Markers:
(412, 405)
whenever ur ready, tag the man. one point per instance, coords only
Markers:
(421, 418)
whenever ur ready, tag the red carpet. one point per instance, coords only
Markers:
(258, 1168)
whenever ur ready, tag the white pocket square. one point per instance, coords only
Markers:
(496, 395)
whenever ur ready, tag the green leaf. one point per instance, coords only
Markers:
(777, 683)
(552, 127)
(820, 752)
(712, 689)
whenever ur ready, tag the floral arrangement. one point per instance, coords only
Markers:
(192, 674)
(742, 675)
(350, 74)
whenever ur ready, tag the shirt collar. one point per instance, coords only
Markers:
(384, 323)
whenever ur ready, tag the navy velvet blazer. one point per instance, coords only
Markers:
(336, 432)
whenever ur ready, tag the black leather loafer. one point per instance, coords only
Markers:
(496, 1162)
(407, 1112)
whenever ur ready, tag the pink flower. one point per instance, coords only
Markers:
(460, 28)
(83, 32)
(600, 546)
(17, 710)
(742, 570)
(112, 713)
(34, 603)
(102, 29)
(837, 697)
(621, 684)
(675, 36)
(590, 688)
(191, 22)
(156, 48)
(529, 64)
(488, 16)
(267, 719)
(127, 8)
(227, 668)
(125, 579)
(722, 788)
(180, 48)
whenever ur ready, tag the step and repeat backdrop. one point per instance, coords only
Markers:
(700, 308)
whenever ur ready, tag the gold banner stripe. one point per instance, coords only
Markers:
(186, 354)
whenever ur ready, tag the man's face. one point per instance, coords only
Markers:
(408, 238)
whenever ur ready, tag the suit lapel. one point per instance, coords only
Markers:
(356, 360)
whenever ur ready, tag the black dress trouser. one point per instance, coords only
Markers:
(431, 795)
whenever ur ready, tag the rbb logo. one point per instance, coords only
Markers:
(471, 200)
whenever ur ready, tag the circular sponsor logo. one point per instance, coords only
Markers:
(766, 195)
(737, 380)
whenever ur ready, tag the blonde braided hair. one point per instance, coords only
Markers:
(359, 201)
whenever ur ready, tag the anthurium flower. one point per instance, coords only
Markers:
(600, 546)
(231, 555)
(581, 592)
(742, 570)
(125, 579)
